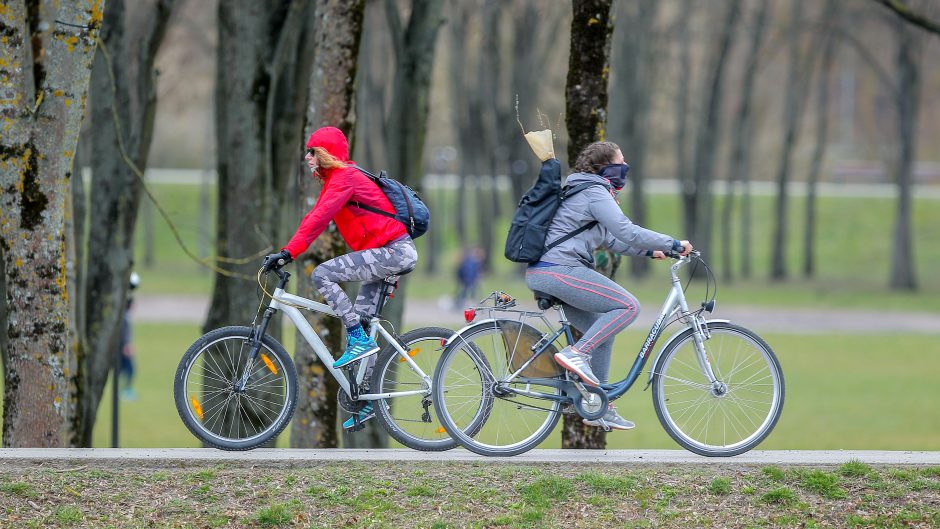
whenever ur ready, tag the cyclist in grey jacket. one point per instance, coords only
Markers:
(595, 305)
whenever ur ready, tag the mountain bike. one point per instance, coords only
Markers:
(717, 387)
(236, 387)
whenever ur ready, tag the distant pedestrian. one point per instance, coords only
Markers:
(468, 275)
(126, 372)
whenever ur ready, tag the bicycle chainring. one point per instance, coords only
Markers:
(345, 403)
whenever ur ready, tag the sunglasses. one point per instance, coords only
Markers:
(310, 151)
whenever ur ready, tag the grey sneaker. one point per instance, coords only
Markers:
(611, 420)
(577, 363)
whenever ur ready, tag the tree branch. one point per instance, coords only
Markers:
(904, 11)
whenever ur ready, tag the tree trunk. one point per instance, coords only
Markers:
(248, 37)
(741, 153)
(49, 53)
(707, 140)
(408, 118)
(797, 84)
(635, 77)
(115, 192)
(822, 133)
(3, 314)
(586, 119)
(907, 102)
(683, 174)
(337, 33)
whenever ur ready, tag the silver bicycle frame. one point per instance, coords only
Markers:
(324, 354)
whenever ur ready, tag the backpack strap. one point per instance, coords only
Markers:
(367, 207)
(569, 192)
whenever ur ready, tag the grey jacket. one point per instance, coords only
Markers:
(613, 230)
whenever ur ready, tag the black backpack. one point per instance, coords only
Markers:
(410, 210)
(525, 242)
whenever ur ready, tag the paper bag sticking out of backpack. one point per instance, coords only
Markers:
(541, 143)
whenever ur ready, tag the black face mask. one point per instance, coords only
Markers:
(616, 173)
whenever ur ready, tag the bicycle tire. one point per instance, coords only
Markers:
(190, 410)
(696, 429)
(401, 417)
(481, 359)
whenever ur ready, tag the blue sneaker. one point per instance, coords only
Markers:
(356, 350)
(366, 413)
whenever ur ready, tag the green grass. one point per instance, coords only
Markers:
(843, 392)
(780, 495)
(853, 253)
(719, 486)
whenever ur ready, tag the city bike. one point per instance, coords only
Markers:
(236, 387)
(717, 387)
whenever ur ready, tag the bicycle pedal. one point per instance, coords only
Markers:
(356, 427)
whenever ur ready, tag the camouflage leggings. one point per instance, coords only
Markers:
(369, 266)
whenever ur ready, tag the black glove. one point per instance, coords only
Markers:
(276, 260)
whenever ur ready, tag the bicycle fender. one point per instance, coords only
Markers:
(467, 327)
(649, 379)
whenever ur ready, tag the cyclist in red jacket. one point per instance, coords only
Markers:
(382, 247)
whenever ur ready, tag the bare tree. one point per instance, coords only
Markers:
(634, 76)
(741, 151)
(907, 102)
(697, 199)
(331, 96)
(797, 86)
(904, 91)
(250, 60)
(123, 106)
(586, 118)
(909, 15)
(822, 136)
(47, 59)
(683, 84)
(406, 126)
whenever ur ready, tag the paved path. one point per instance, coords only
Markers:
(292, 456)
(192, 309)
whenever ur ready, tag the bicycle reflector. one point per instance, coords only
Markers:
(469, 314)
(411, 353)
(197, 407)
(267, 361)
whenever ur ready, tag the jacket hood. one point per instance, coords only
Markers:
(577, 178)
(333, 140)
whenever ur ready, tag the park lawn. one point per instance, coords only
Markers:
(874, 392)
(448, 495)
(853, 253)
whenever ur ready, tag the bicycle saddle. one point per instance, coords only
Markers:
(392, 279)
(545, 301)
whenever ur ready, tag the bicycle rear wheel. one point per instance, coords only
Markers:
(472, 376)
(409, 419)
(735, 414)
(209, 404)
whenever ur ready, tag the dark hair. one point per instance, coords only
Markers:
(595, 156)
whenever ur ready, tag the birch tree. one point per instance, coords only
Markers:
(45, 65)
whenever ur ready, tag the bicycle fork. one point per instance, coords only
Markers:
(700, 334)
(254, 339)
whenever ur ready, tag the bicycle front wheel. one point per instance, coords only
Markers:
(473, 376)
(734, 414)
(409, 419)
(211, 406)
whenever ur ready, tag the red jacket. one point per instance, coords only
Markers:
(361, 229)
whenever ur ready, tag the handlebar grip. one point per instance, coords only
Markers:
(673, 255)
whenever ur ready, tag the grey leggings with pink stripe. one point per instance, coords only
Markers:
(594, 304)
